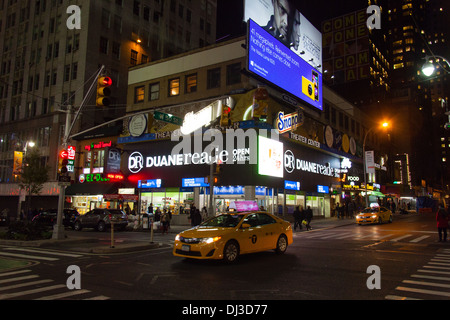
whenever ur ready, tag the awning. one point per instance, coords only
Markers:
(83, 189)
(377, 194)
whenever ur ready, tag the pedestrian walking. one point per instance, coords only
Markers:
(165, 222)
(308, 218)
(442, 223)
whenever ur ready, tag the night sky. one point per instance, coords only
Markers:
(230, 13)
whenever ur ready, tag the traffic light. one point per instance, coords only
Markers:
(63, 161)
(103, 91)
(225, 116)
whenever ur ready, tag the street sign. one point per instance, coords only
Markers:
(168, 118)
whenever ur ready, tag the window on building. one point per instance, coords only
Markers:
(191, 83)
(234, 73)
(139, 93)
(103, 45)
(174, 87)
(154, 91)
(134, 57)
(213, 78)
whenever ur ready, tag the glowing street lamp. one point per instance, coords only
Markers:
(384, 125)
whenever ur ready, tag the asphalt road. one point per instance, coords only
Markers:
(322, 264)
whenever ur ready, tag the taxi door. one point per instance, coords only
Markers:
(251, 239)
(270, 230)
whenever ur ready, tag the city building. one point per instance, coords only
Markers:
(47, 66)
(318, 163)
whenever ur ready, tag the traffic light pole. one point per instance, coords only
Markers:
(58, 229)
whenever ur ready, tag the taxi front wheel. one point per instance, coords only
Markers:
(231, 252)
(281, 244)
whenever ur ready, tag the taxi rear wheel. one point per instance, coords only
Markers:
(231, 252)
(282, 244)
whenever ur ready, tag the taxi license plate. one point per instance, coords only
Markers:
(185, 248)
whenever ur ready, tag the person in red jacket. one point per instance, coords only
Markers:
(442, 222)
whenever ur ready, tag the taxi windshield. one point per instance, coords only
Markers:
(370, 210)
(224, 221)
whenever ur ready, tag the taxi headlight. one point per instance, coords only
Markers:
(374, 216)
(210, 240)
(177, 237)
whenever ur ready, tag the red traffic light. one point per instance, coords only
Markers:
(63, 154)
(105, 81)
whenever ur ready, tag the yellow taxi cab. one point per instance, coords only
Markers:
(374, 214)
(228, 235)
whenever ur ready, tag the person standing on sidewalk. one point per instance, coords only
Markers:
(297, 219)
(308, 218)
(442, 222)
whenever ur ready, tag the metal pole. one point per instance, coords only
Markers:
(58, 229)
(211, 190)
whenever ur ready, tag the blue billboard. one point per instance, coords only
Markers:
(270, 59)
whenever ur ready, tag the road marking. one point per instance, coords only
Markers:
(433, 271)
(430, 284)
(430, 277)
(434, 267)
(47, 252)
(27, 256)
(98, 298)
(419, 239)
(401, 238)
(394, 297)
(24, 293)
(432, 292)
(25, 284)
(64, 295)
(18, 279)
(439, 264)
(13, 273)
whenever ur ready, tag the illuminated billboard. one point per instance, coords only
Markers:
(269, 59)
(284, 22)
(270, 157)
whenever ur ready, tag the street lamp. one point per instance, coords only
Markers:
(429, 68)
(384, 125)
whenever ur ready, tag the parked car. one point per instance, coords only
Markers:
(100, 219)
(49, 217)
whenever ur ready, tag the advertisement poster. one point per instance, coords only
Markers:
(270, 157)
(269, 59)
(284, 22)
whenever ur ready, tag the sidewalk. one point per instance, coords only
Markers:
(103, 245)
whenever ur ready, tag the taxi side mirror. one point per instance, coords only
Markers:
(245, 226)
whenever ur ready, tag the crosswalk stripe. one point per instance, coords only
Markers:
(436, 267)
(18, 279)
(432, 292)
(419, 239)
(64, 295)
(401, 238)
(394, 297)
(13, 273)
(430, 284)
(27, 256)
(28, 292)
(98, 298)
(25, 284)
(430, 277)
(47, 252)
(433, 271)
(439, 264)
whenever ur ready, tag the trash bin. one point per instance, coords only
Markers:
(145, 221)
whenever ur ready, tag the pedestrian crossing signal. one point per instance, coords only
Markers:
(103, 92)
